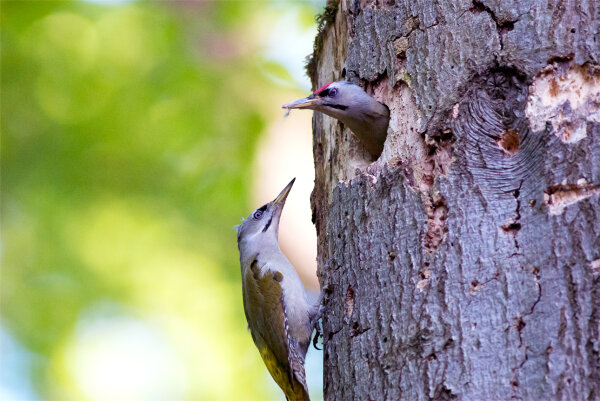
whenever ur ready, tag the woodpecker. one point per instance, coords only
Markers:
(350, 104)
(279, 314)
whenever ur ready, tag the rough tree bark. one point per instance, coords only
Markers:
(464, 263)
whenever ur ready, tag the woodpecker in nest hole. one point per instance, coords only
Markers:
(350, 104)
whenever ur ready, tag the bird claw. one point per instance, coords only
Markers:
(317, 327)
(325, 290)
(315, 340)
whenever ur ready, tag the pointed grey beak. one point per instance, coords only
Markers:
(307, 103)
(280, 200)
(278, 204)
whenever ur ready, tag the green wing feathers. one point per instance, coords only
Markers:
(268, 323)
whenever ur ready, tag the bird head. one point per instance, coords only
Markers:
(350, 104)
(336, 99)
(263, 223)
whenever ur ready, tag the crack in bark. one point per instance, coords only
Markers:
(443, 393)
(476, 285)
(536, 272)
(332, 333)
(357, 330)
(514, 225)
(520, 322)
(502, 27)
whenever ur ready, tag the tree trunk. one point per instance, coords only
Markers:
(465, 262)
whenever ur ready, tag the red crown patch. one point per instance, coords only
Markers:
(322, 88)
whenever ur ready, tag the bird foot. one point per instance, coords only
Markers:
(325, 290)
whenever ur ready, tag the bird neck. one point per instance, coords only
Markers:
(263, 248)
(370, 123)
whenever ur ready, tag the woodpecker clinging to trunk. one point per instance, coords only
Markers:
(279, 314)
(347, 102)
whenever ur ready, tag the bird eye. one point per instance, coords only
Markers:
(257, 215)
(332, 92)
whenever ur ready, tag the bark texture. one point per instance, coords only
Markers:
(464, 263)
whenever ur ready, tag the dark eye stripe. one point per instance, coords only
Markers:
(267, 225)
(323, 93)
(336, 106)
(263, 208)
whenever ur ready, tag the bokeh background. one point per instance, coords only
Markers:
(135, 135)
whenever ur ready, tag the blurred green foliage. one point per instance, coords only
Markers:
(128, 136)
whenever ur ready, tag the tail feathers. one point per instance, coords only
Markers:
(297, 392)
(299, 389)
(302, 398)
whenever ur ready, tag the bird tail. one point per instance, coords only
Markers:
(300, 393)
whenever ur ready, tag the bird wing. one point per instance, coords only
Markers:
(268, 322)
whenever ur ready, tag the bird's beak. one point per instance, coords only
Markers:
(278, 204)
(280, 200)
(307, 103)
